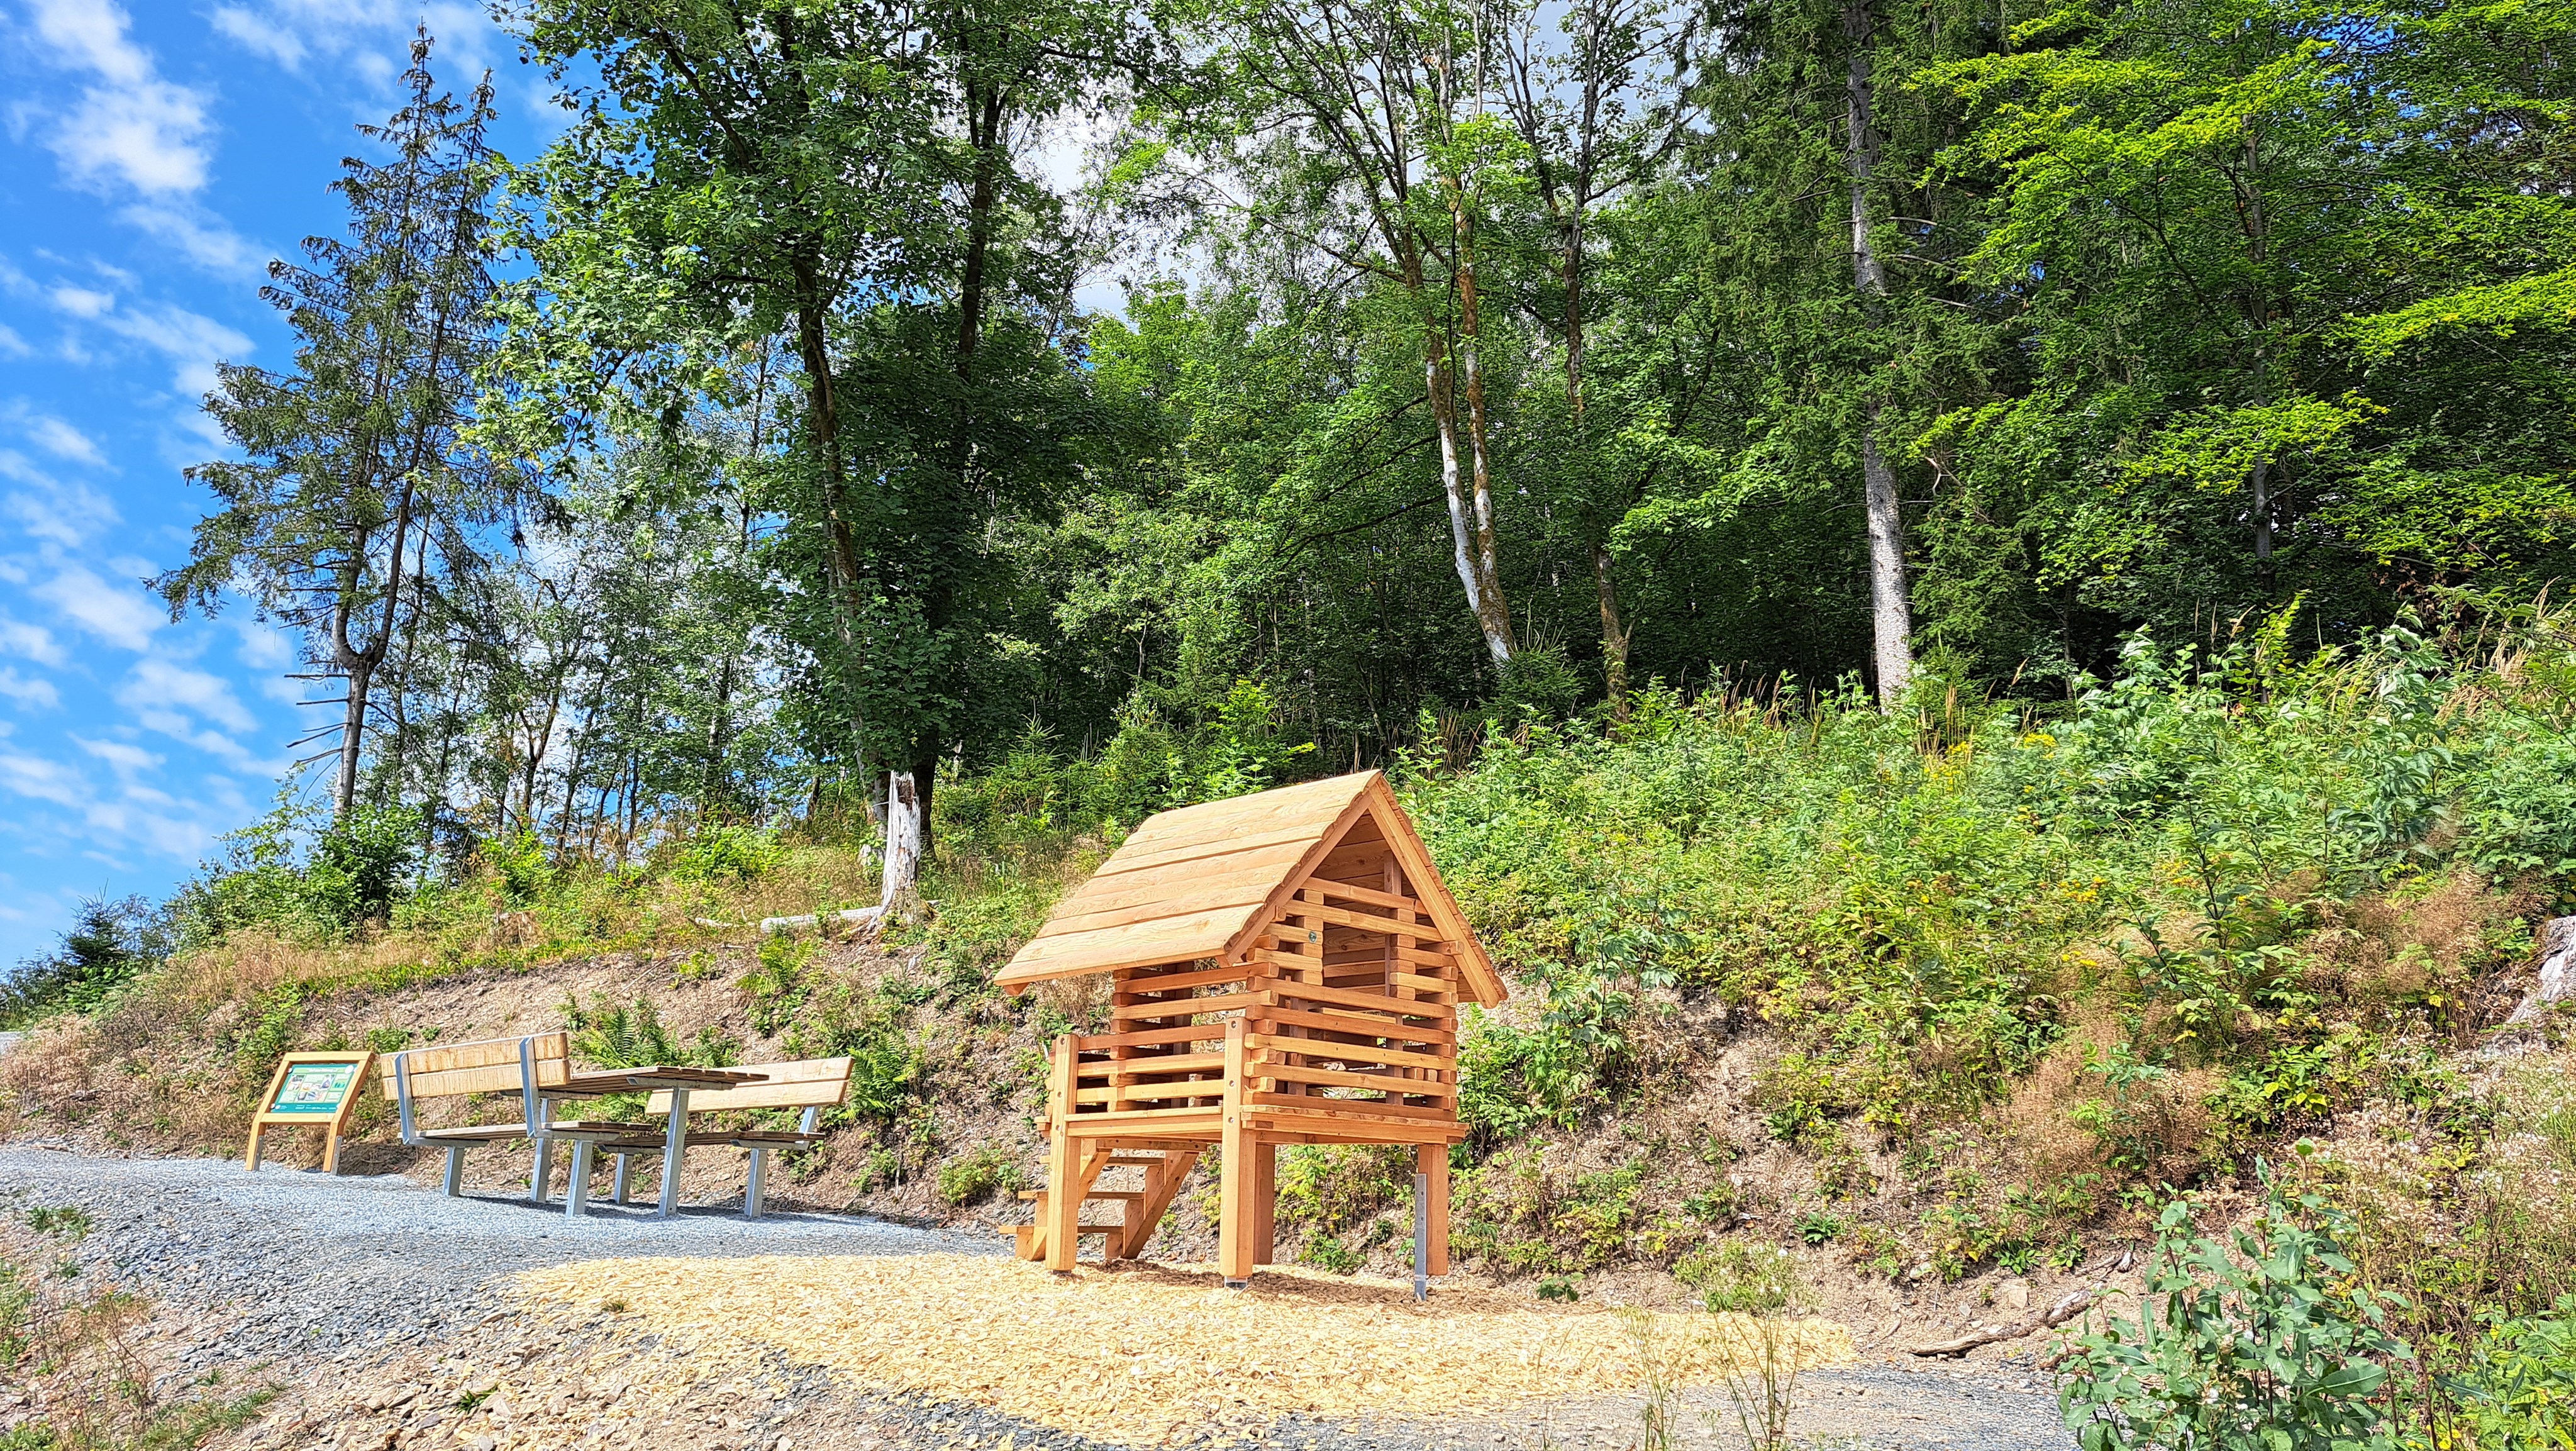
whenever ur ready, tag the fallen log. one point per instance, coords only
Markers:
(2055, 1315)
(770, 926)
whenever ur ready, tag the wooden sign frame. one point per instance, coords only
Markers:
(330, 1116)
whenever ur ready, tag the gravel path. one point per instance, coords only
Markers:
(336, 1266)
(369, 1285)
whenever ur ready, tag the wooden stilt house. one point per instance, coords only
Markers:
(1286, 968)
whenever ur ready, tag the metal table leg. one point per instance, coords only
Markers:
(541, 1174)
(577, 1193)
(673, 1140)
(624, 1163)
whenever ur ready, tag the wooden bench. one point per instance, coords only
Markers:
(524, 1066)
(813, 1084)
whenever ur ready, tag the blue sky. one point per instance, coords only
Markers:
(159, 156)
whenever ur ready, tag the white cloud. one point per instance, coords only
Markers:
(51, 510)
(260, 34)
(60, 439)
(28, 690)
(127, 760)
(184, 730)
(137, 818)
(12, 345)
(194, 342)
(121, 617)
(205, 238)
(33, 642)
(40, 779)
(129, 125)
(162, 685)
(82, 301)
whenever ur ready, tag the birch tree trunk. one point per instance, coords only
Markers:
(1891, 626)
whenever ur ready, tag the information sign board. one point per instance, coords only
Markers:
(316, 1089)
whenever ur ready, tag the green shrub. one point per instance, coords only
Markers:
(777, 985)
(973, 1179)
(107, 947)
(729, 853)
(2519, 1387)
(359, 865)
(2261, 1341)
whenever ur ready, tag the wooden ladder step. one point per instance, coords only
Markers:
(1036, 1194)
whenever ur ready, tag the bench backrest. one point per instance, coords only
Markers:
(492, 1065)
(806, 1083)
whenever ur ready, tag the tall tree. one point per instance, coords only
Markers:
(1349, 125)
(1890, 610)
(1595, 108)
(357, 478)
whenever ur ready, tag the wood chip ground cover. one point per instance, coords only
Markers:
(1146, 1355)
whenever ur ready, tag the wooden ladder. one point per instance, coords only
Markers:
(1140, 1209)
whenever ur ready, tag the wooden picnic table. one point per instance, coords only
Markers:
(675, 1079)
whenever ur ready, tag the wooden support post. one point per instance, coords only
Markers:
(1239, 1146)
(1431, 1161)
(1265, 1203)
(1064, 1168)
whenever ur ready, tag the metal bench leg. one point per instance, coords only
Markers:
(623, 1164)
(577, 1193)
(455, 1171)
(752, 1184)
(541, 1175)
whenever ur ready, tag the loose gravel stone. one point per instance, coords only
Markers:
(385, 1310)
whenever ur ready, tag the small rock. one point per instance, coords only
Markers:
(2015, 1295)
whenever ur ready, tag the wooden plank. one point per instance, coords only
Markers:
(481, 1053)
(1064, 1205)
(1235, 1171)
(1398, 1112)
(1364, 921)
(1162, 1184)
(1233, 873)
(1168, 1063)
(1371, 1028)
(1075, 917)
(1342, 1078)
(1365, 1002)
(1151, 1012)
(1264, 1230)
(1352, 1052)
(1150, 1037)
(1179, 939)
(1432, 1163)
(806, 1082)
(1348, 1128)
(1353, 892)
(1164, 982)
(1279, 846)
(1163, 1125)
(1152, 1092)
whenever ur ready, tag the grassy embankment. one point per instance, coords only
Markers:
(1967, 991)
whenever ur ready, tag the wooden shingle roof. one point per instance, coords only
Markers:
(1202, 881)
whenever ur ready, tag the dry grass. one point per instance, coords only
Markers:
(1144, 1355)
